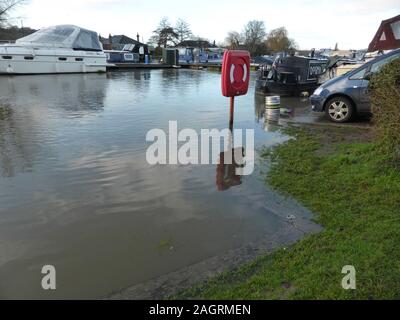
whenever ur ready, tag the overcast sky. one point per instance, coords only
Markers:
(312, 23)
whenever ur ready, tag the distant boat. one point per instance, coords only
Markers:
(192, 55)
(58, 49)
(291, 75)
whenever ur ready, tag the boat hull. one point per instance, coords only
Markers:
(21, 60)
(285, 89)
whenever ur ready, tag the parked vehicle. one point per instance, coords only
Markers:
(59, 49)
(343, 97)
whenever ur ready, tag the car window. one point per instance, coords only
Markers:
(378, 65)
(359, 75)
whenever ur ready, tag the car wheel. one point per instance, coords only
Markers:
(339, 109)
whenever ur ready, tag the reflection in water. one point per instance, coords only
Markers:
(229, 162)
(13, 155)
(259, 106)
(272, 125)
(173, 79)
(136, 84)
(26, 123)
(79, 94)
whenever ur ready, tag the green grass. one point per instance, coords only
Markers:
(356, 197)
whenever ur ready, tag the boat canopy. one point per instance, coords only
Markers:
(64, 36)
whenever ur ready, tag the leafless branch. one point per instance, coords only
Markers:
(6, 6)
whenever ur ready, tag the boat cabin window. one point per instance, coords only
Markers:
(28, 58)
(271, 74)
(62, 59)
(6, 57)
(286, 77)
(128, 56)
(78, 59)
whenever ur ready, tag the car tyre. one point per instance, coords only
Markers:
(339, 109)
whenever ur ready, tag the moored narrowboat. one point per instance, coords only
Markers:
(291, 76)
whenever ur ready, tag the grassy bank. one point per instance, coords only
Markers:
(355, 195)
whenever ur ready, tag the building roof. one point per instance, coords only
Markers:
(387, 37)
(120, 39)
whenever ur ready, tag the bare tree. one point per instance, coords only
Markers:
(254, 37)
(6, 6)
(279, 41)
(164, 35)
(233, 40)
(182, 29)
(155, 38)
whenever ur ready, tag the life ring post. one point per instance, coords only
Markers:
(235, 77)
(232, 112)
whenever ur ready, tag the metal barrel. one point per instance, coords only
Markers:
(272, 107)
(272, 101)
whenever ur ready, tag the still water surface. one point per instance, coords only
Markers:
(76, 191)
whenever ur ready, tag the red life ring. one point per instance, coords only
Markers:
(235, 73)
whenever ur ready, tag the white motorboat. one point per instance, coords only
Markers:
(58, 49)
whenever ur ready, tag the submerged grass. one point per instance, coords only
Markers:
(356, 197)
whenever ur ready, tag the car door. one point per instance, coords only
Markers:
(354, 85)
(365, 101)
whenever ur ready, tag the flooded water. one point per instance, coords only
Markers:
(76, 191)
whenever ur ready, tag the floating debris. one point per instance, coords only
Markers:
(286, 111)
(165, 245)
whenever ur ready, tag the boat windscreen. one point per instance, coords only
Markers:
(87, 40)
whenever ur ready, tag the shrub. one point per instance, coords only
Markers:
(385, 97)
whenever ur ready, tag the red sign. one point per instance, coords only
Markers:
(235, 73)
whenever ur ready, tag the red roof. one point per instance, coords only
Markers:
(388, 35)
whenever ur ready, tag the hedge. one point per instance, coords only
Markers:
(385, 98)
